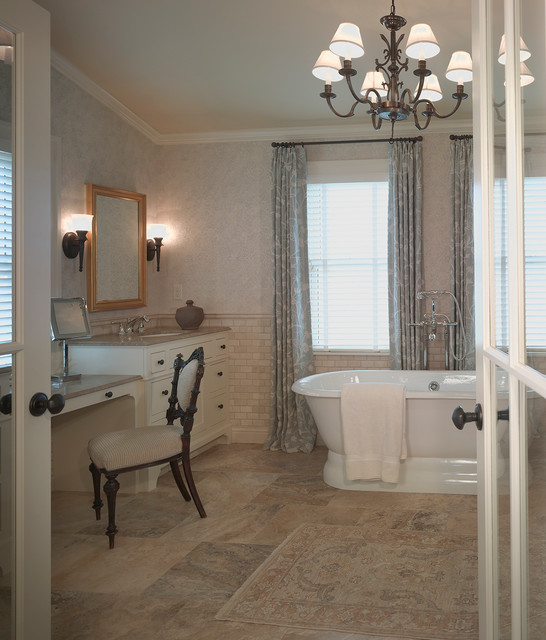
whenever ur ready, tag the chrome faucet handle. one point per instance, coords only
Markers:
(121, 331)
(143, 319)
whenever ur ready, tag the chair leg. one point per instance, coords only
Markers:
(178, 479)
(111, 487)
(189, 477)
(97, 503)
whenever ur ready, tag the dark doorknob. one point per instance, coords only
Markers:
(40, 403)
(5, 404)
(460, 417)
(503, 414)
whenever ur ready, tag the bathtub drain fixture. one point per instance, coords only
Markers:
(434, 386)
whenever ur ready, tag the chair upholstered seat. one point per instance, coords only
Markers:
(118, 450)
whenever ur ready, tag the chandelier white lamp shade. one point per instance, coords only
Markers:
(524, 53)
(431, 89)
(327, 67)
(383, 89)
(374, 80)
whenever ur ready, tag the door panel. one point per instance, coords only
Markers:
(509, 155)
(27, 342)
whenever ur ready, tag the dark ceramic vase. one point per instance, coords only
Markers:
(189, 317)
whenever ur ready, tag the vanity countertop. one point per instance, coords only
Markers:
(90, 383)
(148, 337)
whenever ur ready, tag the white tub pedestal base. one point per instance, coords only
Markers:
(417, 475)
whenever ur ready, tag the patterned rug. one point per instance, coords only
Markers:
(402, 584)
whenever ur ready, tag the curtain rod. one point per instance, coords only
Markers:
(465, 137)
(306, 144)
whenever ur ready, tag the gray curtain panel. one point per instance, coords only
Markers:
(462, 354)
(292, 427)
(405, 253)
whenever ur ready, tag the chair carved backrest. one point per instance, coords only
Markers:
(185, 389)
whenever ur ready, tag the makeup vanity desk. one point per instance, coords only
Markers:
(151, 356)
(93, 404)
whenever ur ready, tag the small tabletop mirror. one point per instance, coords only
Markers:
(69, 319)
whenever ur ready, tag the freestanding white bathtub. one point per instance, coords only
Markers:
(441, 459)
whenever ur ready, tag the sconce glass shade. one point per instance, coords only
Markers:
(374, 80)
(431, 89)
(82, 222)
(421, 43)
(327, 66)
(157, 231)
(459, 69)
(347, 41)
(524, 53)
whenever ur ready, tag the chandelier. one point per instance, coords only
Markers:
(382, 89)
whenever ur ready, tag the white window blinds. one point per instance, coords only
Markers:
(535, 262)
(6, 276)
(347, 243)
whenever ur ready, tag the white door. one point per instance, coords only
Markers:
(24, 320)
(510, 203)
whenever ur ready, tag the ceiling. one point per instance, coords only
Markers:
(188, 67)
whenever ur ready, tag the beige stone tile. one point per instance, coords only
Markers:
(291, 516)
(85, 563)
(301, 489)
(72, 510)
(87, 616)
(213, 571)
(239, 524)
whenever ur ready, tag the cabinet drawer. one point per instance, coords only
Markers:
(185, 350)
(158, 361)
(160, 391)
(215, 377)
(216, 349)
(217, 408)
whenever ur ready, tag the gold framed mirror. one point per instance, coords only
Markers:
(117, 249)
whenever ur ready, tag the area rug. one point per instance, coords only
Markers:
(403, 584)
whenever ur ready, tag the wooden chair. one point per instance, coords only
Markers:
(133, 449)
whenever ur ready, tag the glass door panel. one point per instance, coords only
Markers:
(502, 464)
(533, 95)
(536, 519)
(499, 332)
(6, 334)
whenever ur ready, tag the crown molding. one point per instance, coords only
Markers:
(339, 131)
(84, 82)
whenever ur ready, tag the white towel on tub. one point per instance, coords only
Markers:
(373, 426)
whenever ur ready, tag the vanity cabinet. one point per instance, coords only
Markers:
(153, 358)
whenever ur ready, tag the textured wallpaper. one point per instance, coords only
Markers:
(214, 199)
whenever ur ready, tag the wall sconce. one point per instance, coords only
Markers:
(153, 247)
(73, 242)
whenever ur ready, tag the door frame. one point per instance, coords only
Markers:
(31, 344)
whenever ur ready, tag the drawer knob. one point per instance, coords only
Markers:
(220, 373)
(161, 362)
(109, 394)
(222, 346)
(165, 392)
(220, 406)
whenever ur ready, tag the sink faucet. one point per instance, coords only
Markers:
(129, 325)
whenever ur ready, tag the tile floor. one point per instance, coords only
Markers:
(171, 571)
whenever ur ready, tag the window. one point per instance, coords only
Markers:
(347, 244)
(535, 262)
(6, 275)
